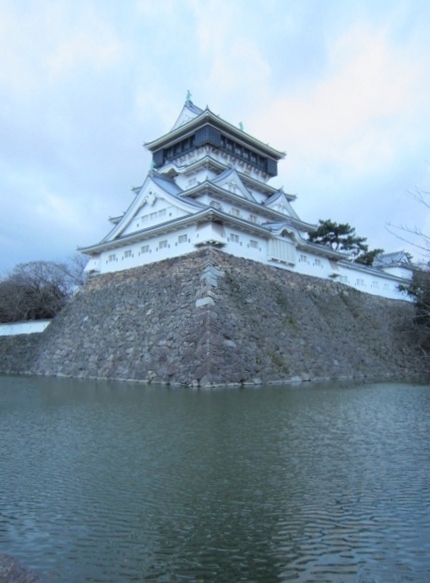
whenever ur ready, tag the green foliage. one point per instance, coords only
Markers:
(278, 361)
(368, 257)
(342, 237)
(338, 236)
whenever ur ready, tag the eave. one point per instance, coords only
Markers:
(208, 187)
(370, 269)
(209, 162)
(115, 220)
(321, 250)
(214, 215)
(207, 117)
(208, 214)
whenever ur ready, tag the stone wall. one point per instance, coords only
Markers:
(210, 318)
(12, 572)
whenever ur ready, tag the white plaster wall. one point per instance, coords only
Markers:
(206, 199)
(206, 232)
(379, 283)
(399, 271)
(151, 215)
(309, 264)
(258, 196)
(373, 282)
(248, 246)
(143, 253)
(33, 327)
(243, 247)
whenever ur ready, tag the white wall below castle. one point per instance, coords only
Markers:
(16, 328)
(142, 253)
(256, 248)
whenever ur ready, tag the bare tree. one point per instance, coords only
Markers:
(413, 235)
(14, 302)
(39, 289)
(419, 286)
(75, 269)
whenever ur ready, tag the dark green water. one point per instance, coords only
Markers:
(110, 482)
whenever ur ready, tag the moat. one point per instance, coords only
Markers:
(118, 482)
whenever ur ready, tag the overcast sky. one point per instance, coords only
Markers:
(342, 86)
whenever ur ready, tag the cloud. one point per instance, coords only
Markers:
(235, 67)
(343, 87)
(92, 48)
(41, 43)
(361, 113)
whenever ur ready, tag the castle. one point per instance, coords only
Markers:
(209, 186)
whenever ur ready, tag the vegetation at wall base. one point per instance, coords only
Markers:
(419, 290)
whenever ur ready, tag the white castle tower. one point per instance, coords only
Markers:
(209, 186)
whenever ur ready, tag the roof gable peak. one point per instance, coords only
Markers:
(189, 112)
(155, 188)
(279, 202)
(231, 180)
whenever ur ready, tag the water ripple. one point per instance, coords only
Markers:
(108, 482)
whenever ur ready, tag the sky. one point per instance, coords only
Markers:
(341, 86)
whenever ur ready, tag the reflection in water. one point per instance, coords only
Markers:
(118, 482)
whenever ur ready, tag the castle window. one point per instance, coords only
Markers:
(127, 253)
(234, 238)
(235, 212)
(144, 249)
(252, 219)
(317, 262)
(178, 149)
(182, 239)
(112, 257)
(162, 244)
(162, 213)
(343, 279)
(303, 258)
(360, 282)
(253, 244)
